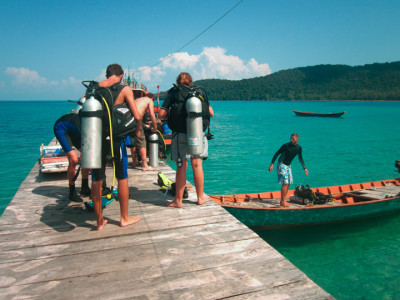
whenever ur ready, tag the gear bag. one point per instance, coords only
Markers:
(177, 112)
(306, 195)
(122, 120)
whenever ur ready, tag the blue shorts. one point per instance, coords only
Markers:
(68, 135)
(120, 159)
(284, 174)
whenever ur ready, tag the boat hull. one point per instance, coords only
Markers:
(261, 218)
(312, 114)
(350, 201)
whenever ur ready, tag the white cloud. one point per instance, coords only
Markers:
(24, 76)
(71, 81)
(212, 62)
(31, 85)
(180, 60)
(147, 73)
(101, 76)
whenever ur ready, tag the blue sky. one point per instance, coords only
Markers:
(49, 47)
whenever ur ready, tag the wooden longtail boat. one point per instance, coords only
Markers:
(314, 114)
(351, 201)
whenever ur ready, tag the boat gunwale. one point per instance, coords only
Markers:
(340, 205)
(379, 183)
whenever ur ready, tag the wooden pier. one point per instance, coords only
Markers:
(50, 249)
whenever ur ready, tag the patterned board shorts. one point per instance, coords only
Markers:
(284, 174)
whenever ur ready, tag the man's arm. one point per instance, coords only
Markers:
(162, 114)
(271, 166)
(153, 116)
(302, 161)
(210, 111)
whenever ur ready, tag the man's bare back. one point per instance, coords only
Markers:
(144, 103)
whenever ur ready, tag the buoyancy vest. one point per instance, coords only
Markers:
(122, 119)
(177, 111)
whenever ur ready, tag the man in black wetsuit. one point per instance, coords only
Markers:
(67, 130)
(287, 153)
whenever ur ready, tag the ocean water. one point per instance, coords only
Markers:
(353, 260)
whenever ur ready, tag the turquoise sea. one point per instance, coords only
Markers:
(353, 260)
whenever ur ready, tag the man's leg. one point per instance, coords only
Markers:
(198, 176)
(143, 157)
(72, 162)
(85, 190)
(284, 190)
(123, 197)
(133, 154)
(96, 198)
(180, 183)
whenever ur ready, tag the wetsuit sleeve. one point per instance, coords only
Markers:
(204, 95)
(168, 100)
(281, 149)
(301, 158)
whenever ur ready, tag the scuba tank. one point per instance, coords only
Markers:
(91, 133)
(153, 151)
(79, 104)
(194, 124)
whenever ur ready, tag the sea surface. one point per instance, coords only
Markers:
(353, 260)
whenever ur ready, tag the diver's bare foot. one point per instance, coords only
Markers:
(284, 204)
(174, 204)
(102, 224)
(148, 168)
(202, 201)
(129, 221)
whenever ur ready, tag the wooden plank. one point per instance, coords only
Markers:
(49, 249)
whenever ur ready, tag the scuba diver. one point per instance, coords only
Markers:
(67, 130)
(173, 108)
(113, 93)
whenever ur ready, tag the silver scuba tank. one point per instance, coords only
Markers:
(194, 124)
(153, 151)
(91, 133)
(79, 104)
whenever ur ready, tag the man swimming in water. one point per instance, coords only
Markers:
(287, 153)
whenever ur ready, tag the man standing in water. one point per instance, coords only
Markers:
(179, 144)
(287, 153)
(120, 93)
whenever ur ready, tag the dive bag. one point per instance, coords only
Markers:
(304, 195)
(177, 113)
(122, 120)
(168, 185)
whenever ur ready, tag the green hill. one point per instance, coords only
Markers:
(379, 81)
